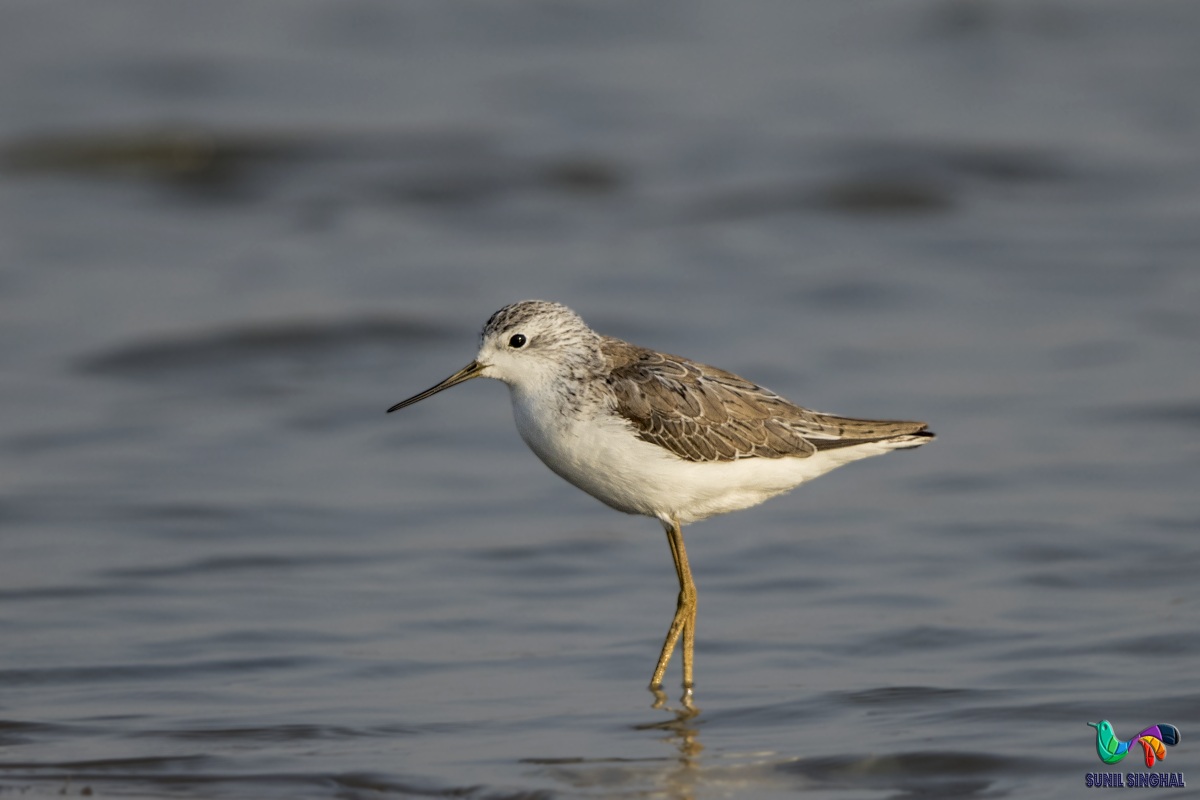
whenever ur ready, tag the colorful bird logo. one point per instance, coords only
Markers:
(1152, 740)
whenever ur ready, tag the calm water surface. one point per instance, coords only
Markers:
(235, 233)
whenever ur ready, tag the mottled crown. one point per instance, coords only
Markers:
(552, 330)
(542, 314)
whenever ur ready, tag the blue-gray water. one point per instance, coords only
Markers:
(233, 233)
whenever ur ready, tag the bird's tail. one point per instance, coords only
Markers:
(1169, 734)
(910, 440)
(1153, 740)
(891, 434)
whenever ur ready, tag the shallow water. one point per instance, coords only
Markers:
(235, 233)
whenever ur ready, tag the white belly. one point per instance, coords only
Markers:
(604, 458)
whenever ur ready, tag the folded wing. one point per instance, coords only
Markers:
(701, 413)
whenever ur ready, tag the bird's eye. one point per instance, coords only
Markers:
(517, 340)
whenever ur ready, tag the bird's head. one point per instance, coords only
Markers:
(526, 344)
(534, 341)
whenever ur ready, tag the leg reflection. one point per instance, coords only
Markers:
(683, 732)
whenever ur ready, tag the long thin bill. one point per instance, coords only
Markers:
(472, 370)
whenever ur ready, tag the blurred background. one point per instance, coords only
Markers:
(233, 233)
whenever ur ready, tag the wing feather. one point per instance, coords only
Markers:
(701, 413)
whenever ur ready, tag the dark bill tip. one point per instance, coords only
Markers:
(472, 370)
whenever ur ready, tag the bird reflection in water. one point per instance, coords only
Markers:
(675, 776)
(683, 731)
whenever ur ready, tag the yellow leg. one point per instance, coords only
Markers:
(684, 622)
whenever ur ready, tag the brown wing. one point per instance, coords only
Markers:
(701, 413)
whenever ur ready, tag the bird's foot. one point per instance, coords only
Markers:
(686, 701)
